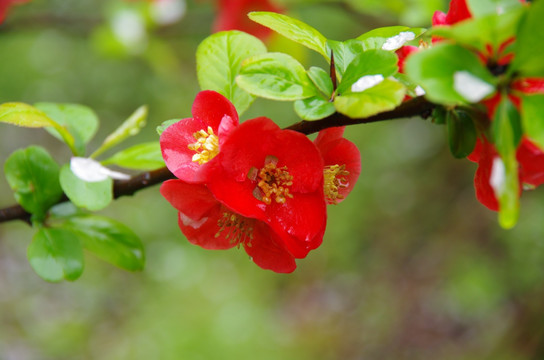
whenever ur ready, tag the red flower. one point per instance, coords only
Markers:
(232, 15)
(188, 145)
(275, 176)
(5, 5)
(458, 11)
(211, 225)
(342, 162)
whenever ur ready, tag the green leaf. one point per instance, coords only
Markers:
(344, 52)
(25, 115)
(146, 156)
(314, 108)
(129, 127)
(109, 240)
(481, 32)
(321, 80)
(371, 62)
(275, 76)
(485, 7)
(166, 124)
(461, 133)
(506, 136)
(89, 195)
(56, 254)
(79, 120)
(532, 109)
(436, 68)
(33, 176)
(528, 47)
(293, 29)
(388, 38)
(382, 97)
(218, 61)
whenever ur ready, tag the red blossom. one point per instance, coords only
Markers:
(211, 225)
(458, 11)
(273, 175)
(232, 15)
(188, 145)
(342, 161)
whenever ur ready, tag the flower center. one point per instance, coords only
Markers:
(334, 177)
(272, 182)
(238, 229)
(206, 146)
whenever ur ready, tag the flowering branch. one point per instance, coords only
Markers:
(415, 107)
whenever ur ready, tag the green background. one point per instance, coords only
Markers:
(411, 267)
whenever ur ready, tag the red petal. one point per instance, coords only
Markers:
(191, 199)
(210, 107)
(439, 18)
(177, 156)
(203, 233)
(457, 12)
(531, 161)
(484, 191)
(267, 251)
(529, 85)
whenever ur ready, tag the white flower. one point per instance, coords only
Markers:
(92, 171)
(470, 87)
(366, 82)
(166, 12)
(395, 42)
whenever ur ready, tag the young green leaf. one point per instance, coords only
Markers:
(450, 74)
(371, 62)
(33, 175)
(384, 96)
(275, 76)
(344, 53)
(389, 38)
(218, 61)
(504, 174)
(461, 133)
(165, 124)
(528, 47)
(485, 7)
(56, 254)
(532, 109)
(293, 29)
(321, 80)
(89, 195)
(129, 127)
(491, 30)
(25, 115)
(146, 156)
(314, 108)
(79, 120)
(108, 239)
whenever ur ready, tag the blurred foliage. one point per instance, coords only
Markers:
(412, 266)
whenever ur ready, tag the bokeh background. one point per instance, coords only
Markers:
(411, 267)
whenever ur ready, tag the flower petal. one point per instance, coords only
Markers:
(210, 107)
(266, 250)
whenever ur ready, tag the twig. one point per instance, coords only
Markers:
(415, 107)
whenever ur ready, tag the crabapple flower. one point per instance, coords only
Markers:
(232, 15)
(275, 176)
(188, 145)
(211, 225)
(342, 164)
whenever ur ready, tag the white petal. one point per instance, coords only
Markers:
(395, 42)
(129, 28)
(92, 171)
(419, 91)
(366, 82)
(470, 87)
(167, 12)
(498, 176)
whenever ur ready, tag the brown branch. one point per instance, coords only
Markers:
(415, 107)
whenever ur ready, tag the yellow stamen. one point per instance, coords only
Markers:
(334, 180)
(273, 184)
(206, 146)
(239, 230)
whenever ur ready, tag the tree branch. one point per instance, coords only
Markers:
(415, 107)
